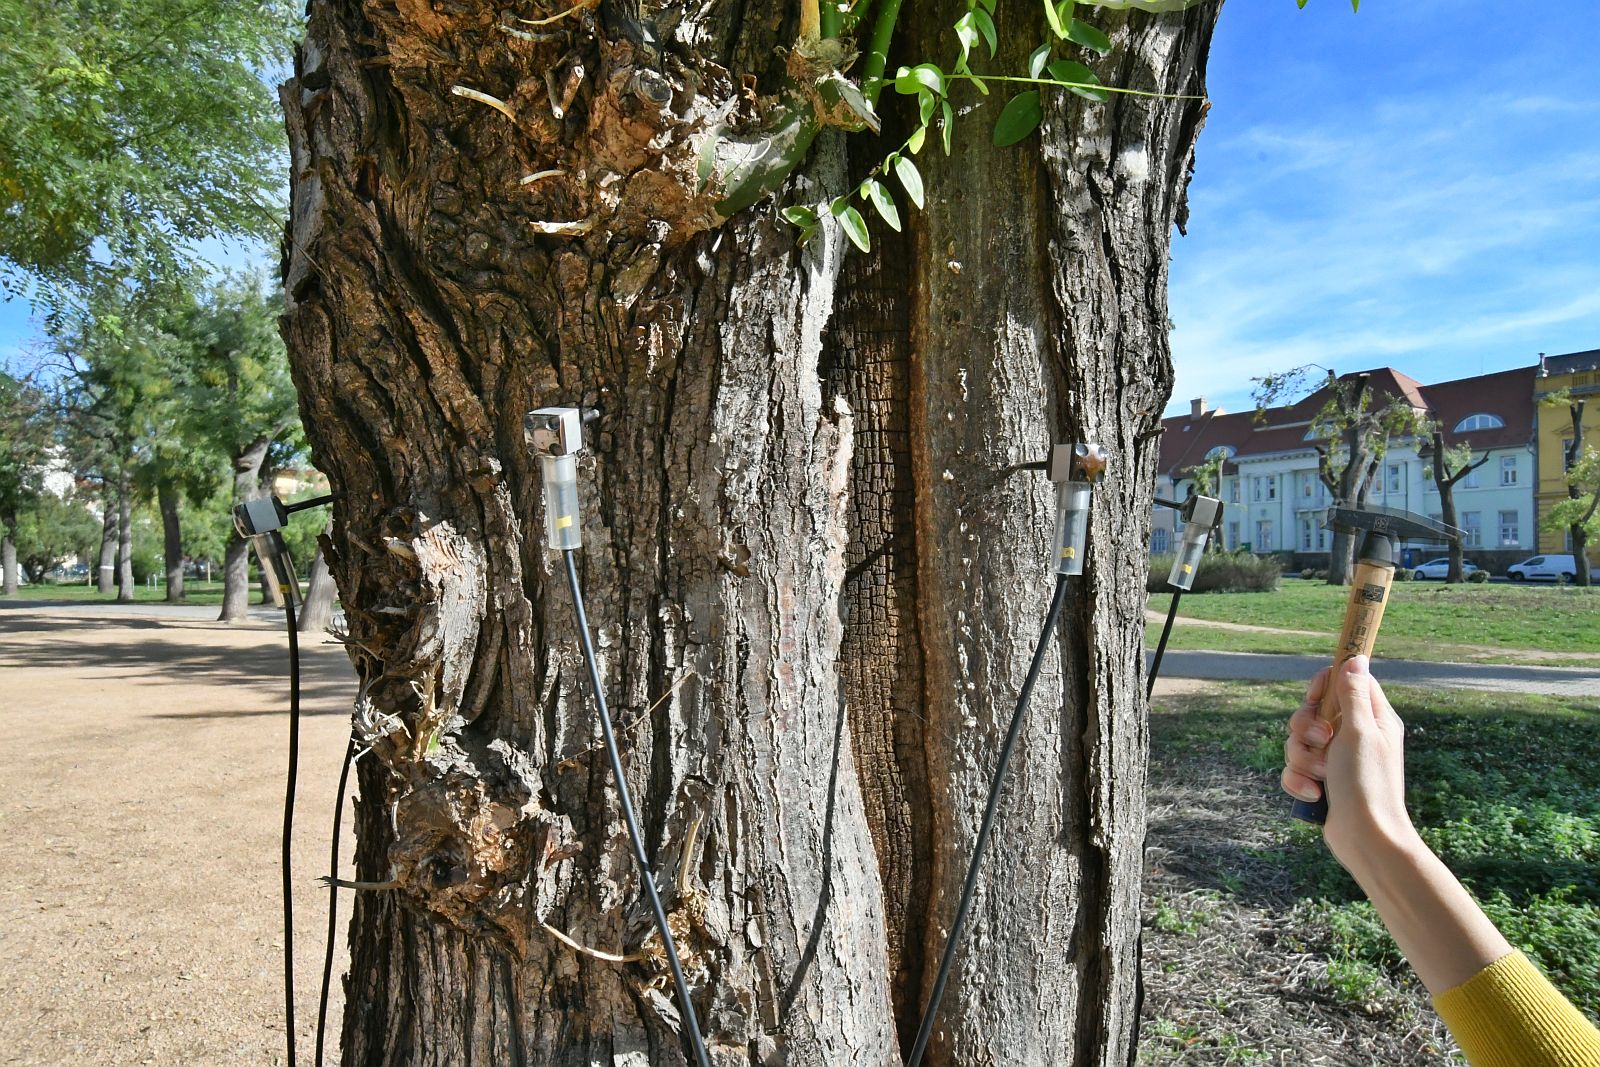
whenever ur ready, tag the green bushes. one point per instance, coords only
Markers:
(1222, 572)
(1478, 576)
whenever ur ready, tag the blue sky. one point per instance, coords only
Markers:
(1415, 186)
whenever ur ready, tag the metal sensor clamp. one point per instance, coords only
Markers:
(556, 437)
(259, 516)
(1202, 516)
(1074, 468)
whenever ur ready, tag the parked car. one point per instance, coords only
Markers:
(1556, 567)
(1440, 568)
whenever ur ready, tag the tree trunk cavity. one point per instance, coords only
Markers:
(814, 588)
(172, 534)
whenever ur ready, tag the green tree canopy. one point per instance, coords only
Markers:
(133, 128)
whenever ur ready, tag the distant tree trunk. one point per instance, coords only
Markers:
(108, 542)
(8, 559)
(1578, 531)
(272, 582)
(1444, 479)
(317, 611)
(236, 559)
(808, 834)
(167, 496)
(125, 536)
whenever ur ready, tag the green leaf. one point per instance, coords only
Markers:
(985, 25)
(987, 5)
(1020, 117)
(1052, 15)
(923, 76)
(855, 228)
(967, 34)
(884, 202)
(910, 179)
(1037, 61)
(948, 126)
(1080, 32)
(800, 216)
(926, 102)
(980, 85)
(1078, 77)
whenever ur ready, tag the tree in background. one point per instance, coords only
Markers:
(1576, 515)
(1351, 432)
(25, 438)
(1447, 466)
(51, 529)
(131, 130)
(238, 398)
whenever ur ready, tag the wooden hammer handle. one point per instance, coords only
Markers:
(1363, 614)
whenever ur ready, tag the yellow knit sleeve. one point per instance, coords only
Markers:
(1509, 1015)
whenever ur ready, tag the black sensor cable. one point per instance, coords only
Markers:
(288, 824)
(691, 1025)
(1201, 517)
(333, 899)
(1161, 646)
(953, 942)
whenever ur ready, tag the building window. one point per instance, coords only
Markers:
(1264, 535)
(1567, 458)
(1508, 529)
(1158, 542)
(1255, 488)
(1471, 480)
(1272, 487)
(1480, 421)
(1508, 470)
(1233, 491)
(1233, 534)
(1308, 484)
(1394, 478)
(1322, 538)
(1307, 534)
(1471, 529)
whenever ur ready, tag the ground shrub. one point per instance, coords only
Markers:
(1478, 577)
(1404, 574)
(1222, 572)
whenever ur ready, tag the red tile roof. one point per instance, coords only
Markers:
(1506, 394)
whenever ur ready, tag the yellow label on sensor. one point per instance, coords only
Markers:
(1188, 569)
(563, 522)
(1068, 552)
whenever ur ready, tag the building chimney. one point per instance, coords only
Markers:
(1544, 368)
(1197, 407)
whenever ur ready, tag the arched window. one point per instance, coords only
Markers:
(1225, 451)
(1480, 421)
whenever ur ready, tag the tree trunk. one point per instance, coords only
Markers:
(236, 558)
(108, 543)
(1578, 531)
(806, 828)
(125, 536)
(317, 611)
(172, 533)
(8, 561)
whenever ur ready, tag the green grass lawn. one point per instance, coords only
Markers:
(1502, 786)
(194, 593)
(1421, 620)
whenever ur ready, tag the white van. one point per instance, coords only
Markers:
(1557, 568)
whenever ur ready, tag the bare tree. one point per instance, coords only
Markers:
(1449, 466)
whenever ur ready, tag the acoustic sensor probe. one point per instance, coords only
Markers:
(556, 436)
(261, 521)
(1201, 517)
(1075, 468)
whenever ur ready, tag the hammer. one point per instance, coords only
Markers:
(1369, 594)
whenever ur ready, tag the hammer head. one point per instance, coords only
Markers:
(1391, 523)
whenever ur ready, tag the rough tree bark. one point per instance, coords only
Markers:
(172, 536)
(809, 791)
(8, 561)
(236, 557)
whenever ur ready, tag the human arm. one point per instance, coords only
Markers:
(1501, 1010)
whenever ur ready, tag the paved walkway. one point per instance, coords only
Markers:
(1255, 666)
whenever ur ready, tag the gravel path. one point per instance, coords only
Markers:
(1261, 667)
(140, 916)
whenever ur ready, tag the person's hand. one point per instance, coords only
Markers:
(1362, 761)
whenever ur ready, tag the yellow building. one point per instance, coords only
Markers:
(1579, 372)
